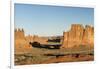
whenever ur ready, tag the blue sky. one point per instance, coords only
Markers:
(45, 20)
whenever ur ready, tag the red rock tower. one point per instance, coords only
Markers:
(88, 36)
(19, 34)
(78, 35)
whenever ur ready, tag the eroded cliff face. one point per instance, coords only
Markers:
(22, 42)
(41, 40)
(78, 35)
(88, 36)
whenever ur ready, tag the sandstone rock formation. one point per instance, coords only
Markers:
(78, 35)
(41, 40)
(88, 35)
(22, 41)
(29, 38)
(19, 34)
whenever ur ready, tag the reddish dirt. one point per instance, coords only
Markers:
(69, 59)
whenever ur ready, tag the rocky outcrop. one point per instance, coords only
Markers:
(78, 35)
(88, 36)
(41, 40)
(29, 38)
(22, 41)
(19, 34)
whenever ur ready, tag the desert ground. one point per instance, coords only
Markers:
(41, 55)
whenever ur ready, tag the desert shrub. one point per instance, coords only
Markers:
(35, 44)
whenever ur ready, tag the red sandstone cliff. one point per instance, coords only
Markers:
(22, 41)
(78, 35)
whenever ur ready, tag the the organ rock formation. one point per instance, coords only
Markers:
(78, 35)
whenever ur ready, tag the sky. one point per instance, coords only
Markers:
(46, 20)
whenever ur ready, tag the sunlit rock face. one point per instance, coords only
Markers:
(29, 38)
(41, 40)
(78, 35)
(19, 34)
(88, 36)
(22, 42)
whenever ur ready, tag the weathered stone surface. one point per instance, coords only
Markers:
(41, 40)
(19, 34)
(88, 36)
(29, 38)
(78, 35)
(22, 41)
